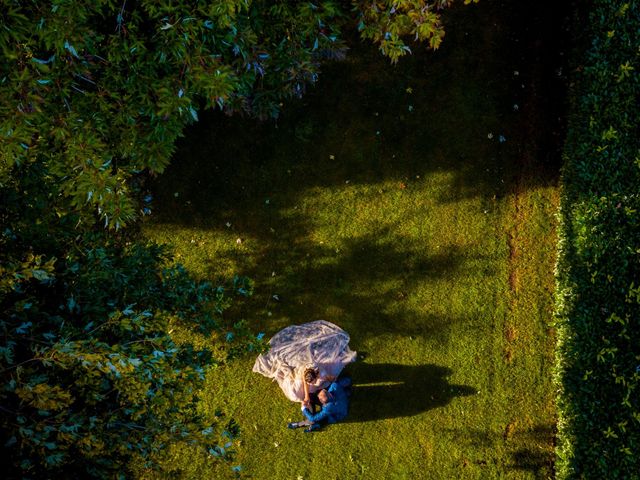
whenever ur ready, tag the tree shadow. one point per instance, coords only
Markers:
(368, 286)
(386, 390)
(538, 463)
(368, 121)
(237, 176)
(537, 457)
(529, 449)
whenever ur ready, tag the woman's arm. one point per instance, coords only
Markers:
(306, 391)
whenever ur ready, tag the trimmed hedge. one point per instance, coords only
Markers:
(598, 270)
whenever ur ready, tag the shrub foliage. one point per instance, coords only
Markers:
(598, 270)
(91, 376)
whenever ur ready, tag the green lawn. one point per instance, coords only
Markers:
(380, 204)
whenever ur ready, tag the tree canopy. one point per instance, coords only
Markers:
(99, 91)
(91, 375)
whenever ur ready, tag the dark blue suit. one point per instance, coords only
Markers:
(334, 410)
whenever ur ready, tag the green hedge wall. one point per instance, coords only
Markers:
(598, 270)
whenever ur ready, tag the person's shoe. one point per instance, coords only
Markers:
(312, 428)
(292, 425)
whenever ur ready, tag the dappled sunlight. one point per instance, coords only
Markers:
(388, 256)
(215, 257)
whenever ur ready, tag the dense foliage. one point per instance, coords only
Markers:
(93, 96)
(599, 264)
(90, 373)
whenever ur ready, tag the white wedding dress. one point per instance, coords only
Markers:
(319, 344)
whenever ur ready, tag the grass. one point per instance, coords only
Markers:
(380, 204)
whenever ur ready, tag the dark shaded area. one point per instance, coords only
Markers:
(530, 448)
(540, 464)
(535, 455)
(237, 170)
(387, 390)
(498, 56)
(540, 46)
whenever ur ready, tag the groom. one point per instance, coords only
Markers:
(334, 403)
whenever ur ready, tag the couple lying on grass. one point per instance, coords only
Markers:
(333, 401)
(306, 361)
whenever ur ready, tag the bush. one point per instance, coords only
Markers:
(598, 270)
(90, 375)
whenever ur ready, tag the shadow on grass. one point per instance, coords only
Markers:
(374, 124)
(368, 286)
(538, 463)
(370, 280)
(535, 456)
(386, 390)
(499, 72)
(529, 449)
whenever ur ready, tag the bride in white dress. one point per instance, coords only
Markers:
(306, 358)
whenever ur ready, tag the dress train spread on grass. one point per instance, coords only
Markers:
(319, 344)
